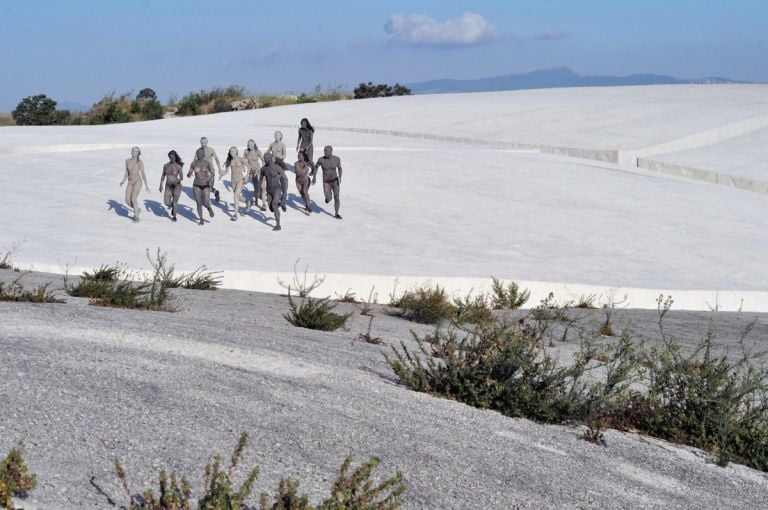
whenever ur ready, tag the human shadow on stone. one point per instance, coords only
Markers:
(120, 209)
(296, 202)
(260, 216)
(156, 208)
(187, 212)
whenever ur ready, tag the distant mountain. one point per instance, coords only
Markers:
(549, 78)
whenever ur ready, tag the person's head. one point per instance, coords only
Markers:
(135, 152)
(230, 156)
(200, 153)
(173, 157)
(305, 124)
(252, 145)
(278, 136)
(328, 151)
(303, 156)
(268, 158)
(204, 142)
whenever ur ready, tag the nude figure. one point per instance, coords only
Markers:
(331, 179)
(237, 167)
(278, 150)
(302, 168)
(134, 174)
(304, 143)
(201, 187)
(172, 176)
(277, 186)
(255, 162)
(211, 156)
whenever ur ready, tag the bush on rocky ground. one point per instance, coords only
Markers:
(16, 481)
(710, 401)
(353, 490)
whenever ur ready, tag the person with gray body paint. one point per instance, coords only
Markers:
(134, 174)
(211, 156)
(255, 162)
(201, 187)
(304, 143)
(302, 168)
(237, 167)
(172, 176)
(331, 166)
(276, 185)
(278, 150)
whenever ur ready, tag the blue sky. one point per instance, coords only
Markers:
(78, 50)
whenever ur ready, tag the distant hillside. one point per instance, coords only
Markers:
(548, 78)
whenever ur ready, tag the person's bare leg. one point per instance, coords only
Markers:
(135, 201)
(199, 202)
(336, 199)
(237, 189)
(175, 200)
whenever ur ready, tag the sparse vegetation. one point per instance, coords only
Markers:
(114, 286)
(472, 310)
(426, 305)
(314, 313)
(372, 298)
(350, 491)
(15, 292)
(701, 399)
(16, 480)
(508, 297)
(711, 401)
(348, 297)
(367, 337)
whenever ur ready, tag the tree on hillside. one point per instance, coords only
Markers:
(366, 90)
(39, 110)
(146, 95)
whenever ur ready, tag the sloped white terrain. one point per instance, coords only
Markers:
(450, 188)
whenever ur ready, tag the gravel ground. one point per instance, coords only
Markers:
(83, 385)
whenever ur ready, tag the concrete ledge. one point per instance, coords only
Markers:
(338, 284)
(704, 175)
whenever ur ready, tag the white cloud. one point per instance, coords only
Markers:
(422, 30)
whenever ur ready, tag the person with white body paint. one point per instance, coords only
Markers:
(134, 174)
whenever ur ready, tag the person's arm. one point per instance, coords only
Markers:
(283, 186)
(181, 172)
(214, 156)
(143, 175)
(262, 178)
(162, 179)
(125, 177)
(338, 165)
(191, 169)
(314, 171)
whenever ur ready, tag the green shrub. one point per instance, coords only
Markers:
(350, 491)
(509, 297)
(151, 109)
(425, 305)
(314, 313)
(39, 110)
(496, 366)
(16, 293)
(711, 401)
(472, 310)
(15, 478)
(111, 286)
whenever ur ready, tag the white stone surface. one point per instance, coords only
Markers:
(415, 209)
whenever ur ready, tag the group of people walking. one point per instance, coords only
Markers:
(266, 172)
